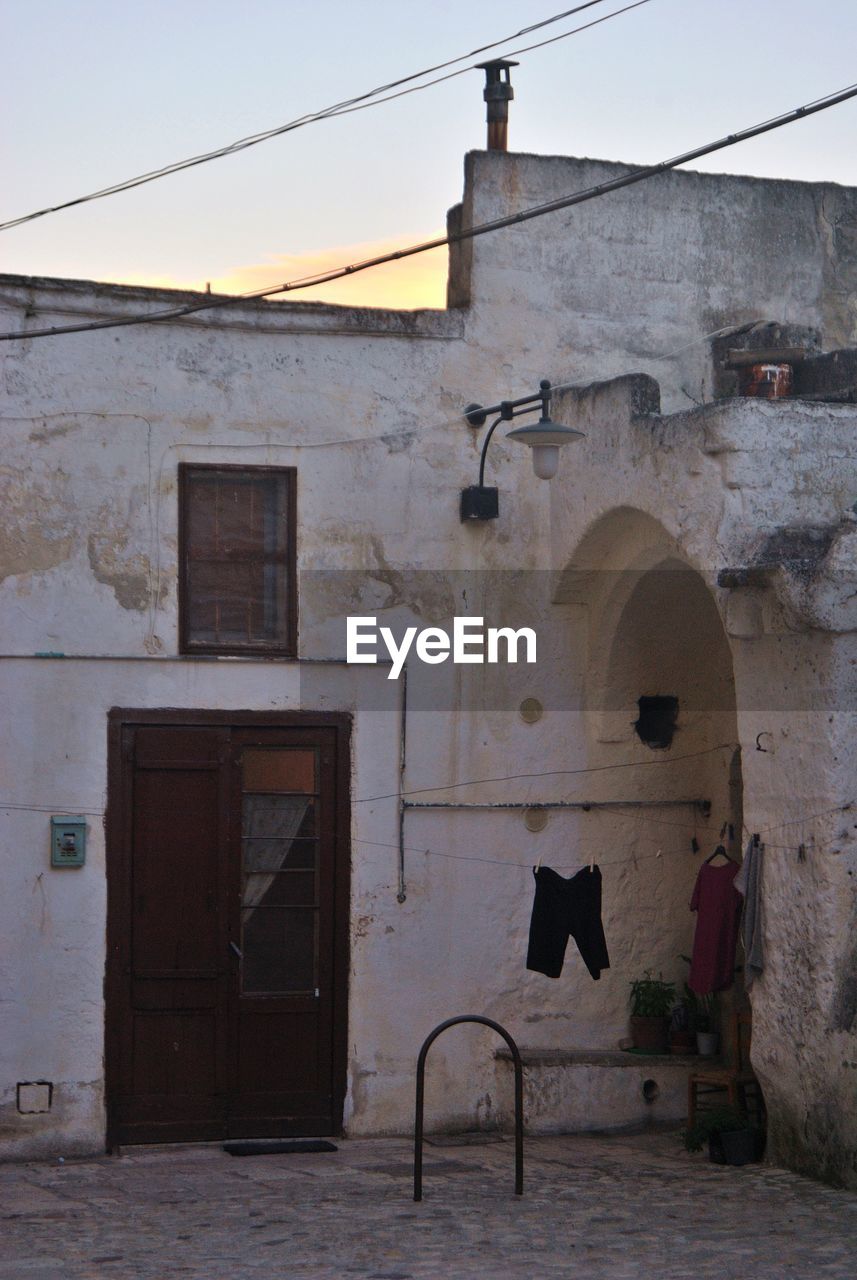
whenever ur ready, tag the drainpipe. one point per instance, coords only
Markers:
(498, 93)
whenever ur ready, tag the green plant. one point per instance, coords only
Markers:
(718, 1120)
(700, 1009)
(651, 997)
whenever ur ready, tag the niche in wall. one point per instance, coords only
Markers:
(656, 723)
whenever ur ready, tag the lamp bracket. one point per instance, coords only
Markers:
(476, 415)
(480, 501)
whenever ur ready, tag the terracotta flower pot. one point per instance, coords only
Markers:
(649, 1033)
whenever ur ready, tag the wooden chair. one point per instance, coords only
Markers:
(734, 1077)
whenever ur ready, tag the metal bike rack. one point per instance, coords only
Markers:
(519, 1100)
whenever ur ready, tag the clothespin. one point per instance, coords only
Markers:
(755, 839)
(723, 830)
(658, 854)
(801, 853)
(591, 863)
(538, 862)
(694, 844)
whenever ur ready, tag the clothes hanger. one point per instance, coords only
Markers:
(719, 850)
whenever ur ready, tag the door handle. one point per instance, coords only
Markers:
(233, 946)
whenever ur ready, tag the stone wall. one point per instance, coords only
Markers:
(626, 545)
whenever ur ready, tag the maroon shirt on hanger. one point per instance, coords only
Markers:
(718, 906)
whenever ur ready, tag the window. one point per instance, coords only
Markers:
(237, 580)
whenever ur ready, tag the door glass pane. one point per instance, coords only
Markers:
(284, 889)
(279, 945)
(277, 818)
(280, 867)
(288, 770)
(261, 854)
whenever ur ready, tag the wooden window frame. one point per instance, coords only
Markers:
(287, 647)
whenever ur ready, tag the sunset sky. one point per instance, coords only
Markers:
(95, 92)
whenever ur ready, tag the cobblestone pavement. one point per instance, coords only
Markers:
(603, 1208)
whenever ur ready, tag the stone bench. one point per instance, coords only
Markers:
(574, 1090)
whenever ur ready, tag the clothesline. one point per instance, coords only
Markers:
(548, 773)
(664, 822)
(631, 858)
(447, 786)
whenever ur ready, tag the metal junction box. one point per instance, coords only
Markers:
(68, 841)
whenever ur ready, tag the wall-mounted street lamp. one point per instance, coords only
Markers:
(545, 438)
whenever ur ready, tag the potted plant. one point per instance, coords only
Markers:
(651, 1002)
(682, 1039)
(730, 1136)
(700, 1018)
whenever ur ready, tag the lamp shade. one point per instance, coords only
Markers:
(545, 438)
(545, 460)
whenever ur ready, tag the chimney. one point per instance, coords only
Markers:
(498, 93)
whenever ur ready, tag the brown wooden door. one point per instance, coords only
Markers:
(228, 901)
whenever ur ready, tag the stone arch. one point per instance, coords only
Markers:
(652, 629)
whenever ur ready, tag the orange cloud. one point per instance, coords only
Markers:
(406, 285)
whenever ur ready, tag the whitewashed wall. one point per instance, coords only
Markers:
(367, 406)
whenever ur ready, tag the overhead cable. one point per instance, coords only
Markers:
(470, 233)
(509, 53)
(360, 102)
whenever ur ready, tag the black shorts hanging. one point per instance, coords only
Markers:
(562, 907)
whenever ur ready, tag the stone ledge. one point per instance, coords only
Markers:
(39, 296)
(598, 1057)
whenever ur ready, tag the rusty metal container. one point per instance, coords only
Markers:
(766, 381)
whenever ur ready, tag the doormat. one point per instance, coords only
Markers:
(276, 1147)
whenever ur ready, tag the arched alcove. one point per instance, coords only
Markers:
(660, 726)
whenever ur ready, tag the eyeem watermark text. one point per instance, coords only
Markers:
(470, 642)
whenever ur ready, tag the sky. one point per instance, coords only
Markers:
(94, 92)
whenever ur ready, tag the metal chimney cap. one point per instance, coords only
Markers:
(497, 88)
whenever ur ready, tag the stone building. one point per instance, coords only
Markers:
(191, 511)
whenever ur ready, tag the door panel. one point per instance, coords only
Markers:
(227, 923)
(175, 876)
(172, 1004)
(175, 1056)
(284, 789)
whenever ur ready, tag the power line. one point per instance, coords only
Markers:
(348, 105)
(510, 53)
(497, 224)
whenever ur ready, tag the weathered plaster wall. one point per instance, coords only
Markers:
(735, 473)
(367, 405)
(646, 272)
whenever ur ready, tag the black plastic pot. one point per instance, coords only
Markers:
(743, 1146)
